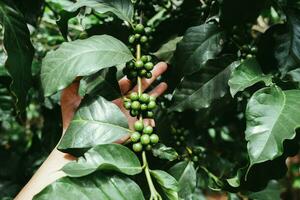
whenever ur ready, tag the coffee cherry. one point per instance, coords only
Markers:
(178, 143)
(149, 66)
(181, 138)
(139, 28)
(135, 137)
(152, 98)
(134, 96)
(144, 98)
(154, 139)
(130, 65)
(137, 36)
(135, 105)
(148, 75)
(137, 147)
(151, 105)
(131, 39)
(134, 113)
(144, 58)
(145, 139)
(148, 130)
(138, 125)
(144, 107)
(195, 158)
(149, 114)
(144, 39)
(139, 64)
(127, 105)
(148, 147)
(132, 74)
(142, 73)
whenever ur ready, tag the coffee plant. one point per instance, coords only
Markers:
(226, 127)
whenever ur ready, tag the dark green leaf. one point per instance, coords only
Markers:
(19, 51)
(200, 90)
(185, 173)
(168, 183)
(113, 157)
(103, 83)
(121, 8)
(167, 50)
(81, 58)
(164, 152)
(97, 121)
(95, 186)
(272, 116)
(271, 192)
(247, 74)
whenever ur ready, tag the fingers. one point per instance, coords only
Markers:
(159, 90)
(158, 70)
(125, 85)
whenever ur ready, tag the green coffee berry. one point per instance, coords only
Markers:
(139, 64)
(142, 73)
(149, 114)
(144, 107)
(134, 113)
(135, 105)
(131, 39)
(135, 137)
(137, 147)
(148, 130)
(144, 59)
(154, 139)
(151, 105)
(145, 139)
(144, 98)
(137, 36)
(139, 28)
(144, 39)
(127, 105)
(138, 126)
(148, 75)
(134, 96)
(149, 66)
(148, 147)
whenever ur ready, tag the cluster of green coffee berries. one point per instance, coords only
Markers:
(143, 137)
(179, 135)
(141, 68)
(140, 105)
(247, 51)
(141, 35)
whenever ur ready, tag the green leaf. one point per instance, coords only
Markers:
(286, 41)
(105, 157)
(247, 74)
(271, 192)
(185, 173)
(121, 8)
(19, 51)
(199, 45)
(104, 83)
(81, 58)
(164, 152)
(167, 182)
(272, 115)
(200, 90)
(95, 186)
(167, 50)
(97, 121)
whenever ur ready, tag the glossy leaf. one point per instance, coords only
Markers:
(113, 157)
(163, 152)
(121, 8)
(95, 186)
(272, 116)
(81, 58)
(168, 183)
(103, 83)
(271, 192)
(247, 74)
(97, 121)
(185, 173)
(19, 51)
(199, 45)
(166, 51)
(200, 90)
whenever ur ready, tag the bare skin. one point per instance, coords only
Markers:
(70, 100)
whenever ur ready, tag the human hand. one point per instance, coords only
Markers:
(70, 99)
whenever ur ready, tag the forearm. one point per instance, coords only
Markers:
(46, 174)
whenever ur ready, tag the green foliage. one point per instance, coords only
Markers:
(227, 123)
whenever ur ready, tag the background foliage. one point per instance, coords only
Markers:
(231, 112)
